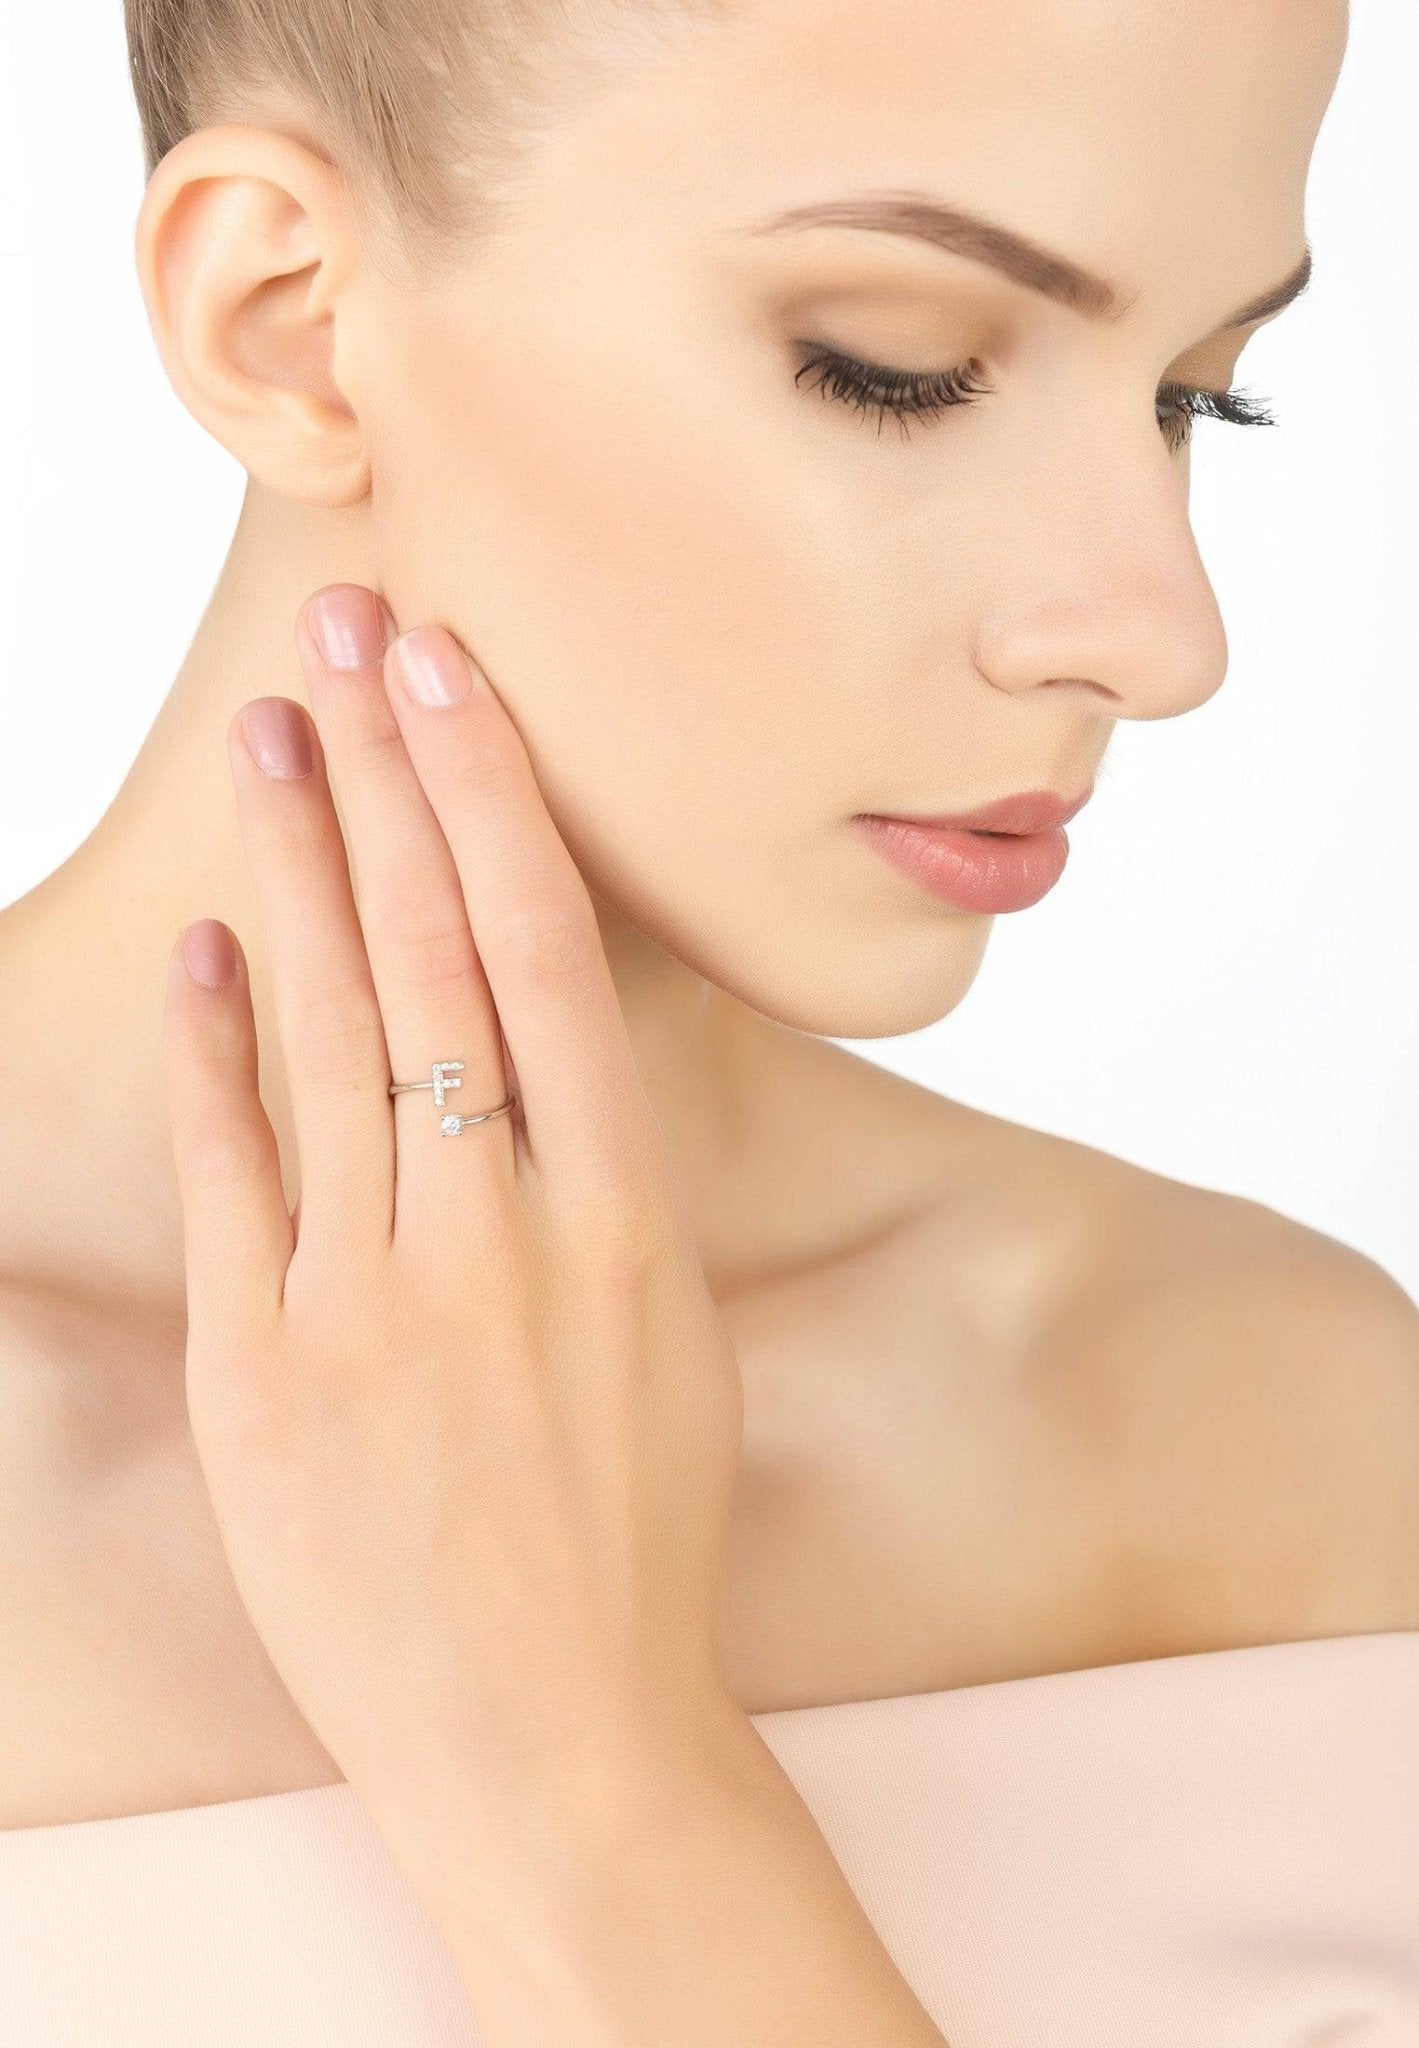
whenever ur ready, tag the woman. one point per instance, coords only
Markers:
(718, 1544)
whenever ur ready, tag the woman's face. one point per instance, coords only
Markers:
(730, 610)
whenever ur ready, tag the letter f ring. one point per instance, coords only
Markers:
(450, 1125)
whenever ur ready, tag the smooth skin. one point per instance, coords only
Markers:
(481, 1389)
(472, 1429)
(1010, 1405)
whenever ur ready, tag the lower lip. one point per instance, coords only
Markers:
(973, 870)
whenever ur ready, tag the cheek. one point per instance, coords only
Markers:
(663, 597)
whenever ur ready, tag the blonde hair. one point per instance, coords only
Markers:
(425, 105)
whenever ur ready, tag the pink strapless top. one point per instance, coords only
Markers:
(1217, 1850)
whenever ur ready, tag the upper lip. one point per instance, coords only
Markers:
(1030, 810)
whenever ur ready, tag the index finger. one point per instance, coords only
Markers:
(588, 1120)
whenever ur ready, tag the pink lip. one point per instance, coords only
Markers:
(959, 860)
(1031, 810)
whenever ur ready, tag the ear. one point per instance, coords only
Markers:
(246, 255)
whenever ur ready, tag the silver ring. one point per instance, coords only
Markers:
(450, 1125)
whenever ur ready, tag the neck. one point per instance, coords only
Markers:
(83, 961)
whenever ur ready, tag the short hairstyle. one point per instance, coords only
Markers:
(425, 105)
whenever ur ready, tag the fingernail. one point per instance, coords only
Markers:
(208, 952)
(277, 737)
(434, 667)
(350, 626)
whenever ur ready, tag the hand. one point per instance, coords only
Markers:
(469, 1417)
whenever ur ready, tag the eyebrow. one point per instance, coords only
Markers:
(1024, 262)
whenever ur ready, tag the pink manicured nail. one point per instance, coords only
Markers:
(208, 952)
(435, 669)
(350, 626)
(277, 737)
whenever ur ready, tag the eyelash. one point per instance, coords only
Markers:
(923, 393)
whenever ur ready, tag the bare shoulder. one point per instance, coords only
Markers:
(1257, 1382)
(1213, 1400)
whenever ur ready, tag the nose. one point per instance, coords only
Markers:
(1099, 588)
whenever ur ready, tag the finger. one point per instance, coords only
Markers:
(332, 1035)
(237, 1233)
(433, 993)
(584, 1109)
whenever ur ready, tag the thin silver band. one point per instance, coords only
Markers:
(450, 1125)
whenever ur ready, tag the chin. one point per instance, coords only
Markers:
(857, 991)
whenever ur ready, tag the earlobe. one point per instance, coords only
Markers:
(245, 249)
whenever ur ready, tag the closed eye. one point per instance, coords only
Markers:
(906, 394)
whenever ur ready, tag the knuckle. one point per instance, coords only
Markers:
(304, 838)
(476, 766)
(430, 951)
(545, 945)
(224, 1153)
(378, 745)
(344, 1036)
(613, 1227)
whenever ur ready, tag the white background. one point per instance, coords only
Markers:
(1223, 987)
